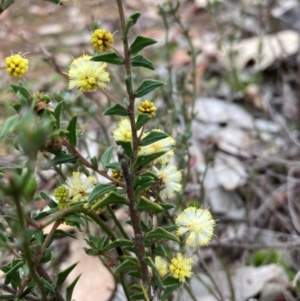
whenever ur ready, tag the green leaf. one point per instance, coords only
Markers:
(127, 265)
(22, 94)
(161, 233)
(118, 243)
(9, 125)
(70, 288)
(72, 131)
(55, 1)
(116, 110)
(140, 61)
(144, 160)
(130, 22)
(170, 280)
(111, 199)
(45, 213)
(99, 191)
(114, 165)
(62, 158)
(142, 120)
(141, 42)
(169, 290)
(57, 113)
(127, 147)
(145, 204)
(167, 206)
(48, 286)
(16, 264)
(141, 183)
(106, 157)
(147, 86)
(160, 251)
(153, 137)
(94, 162)
(111, 58)
(128, 83)
(62, 276)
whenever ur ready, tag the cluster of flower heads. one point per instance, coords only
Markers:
(166, 171)
(198, 225)
(77, 188)
(88, 75)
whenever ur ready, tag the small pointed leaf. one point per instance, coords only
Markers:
(142, 120)
(145, 204)
(70, 288)
(71, 135)
(153, 137)
(57, 113)
(118, 243)
(116, 110)
(141, 42)
(147, 86)
(62, 276)
(140, 61)
(106, 157)
(160, 233)
(99, 191)
(145, 160)
(111, 58)
(111, 199)
(9, 125)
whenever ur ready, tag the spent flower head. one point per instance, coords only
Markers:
(181, 267)
(161, 266)
(87, 75)
(199, 225)
(147, 107)
(102, 39)
(16, 65)
(171, 178)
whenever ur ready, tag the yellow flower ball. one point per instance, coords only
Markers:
(16, 65)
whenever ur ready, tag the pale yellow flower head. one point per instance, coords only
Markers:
(198, 224)
(16, 65)
(123, 131)
(171, 179)
(87, 75)
(80, 186)
(181, 267)
(166, 144)
(102, 39)
(161, 265)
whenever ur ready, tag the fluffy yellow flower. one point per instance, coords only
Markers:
(171, 178)
(16, 65)
(180, 267)
(102, 39)
(165, 144)
(199, 225)
(147, 107)
(161, 265)
(79, 186)
(123, 131)
(87, 75)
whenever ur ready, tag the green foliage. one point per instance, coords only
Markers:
(140, 43)
(147, 86)
(111, 58)
(116, 110)
(140, 61)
